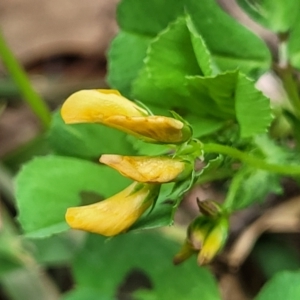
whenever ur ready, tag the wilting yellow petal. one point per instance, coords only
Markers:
(94, 106)
(156, 129)
(115, 214)
(155, 169)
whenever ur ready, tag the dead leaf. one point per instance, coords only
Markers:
(283, 218)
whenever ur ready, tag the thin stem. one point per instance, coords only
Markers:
(18, 74)
(251, 160)
(285, 72)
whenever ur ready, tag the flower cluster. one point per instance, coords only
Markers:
(206, 234)
(119, 212)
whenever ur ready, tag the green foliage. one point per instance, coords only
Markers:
(284, 285)
(172, 78)
(190, 58)
(281, 256)
(232, 46)
(137, 29)
(252, 108)
(277, 15)
(143, 253)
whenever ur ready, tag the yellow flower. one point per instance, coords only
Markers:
(108, 107)
(150, 169)
(206, 236)
(115, 214)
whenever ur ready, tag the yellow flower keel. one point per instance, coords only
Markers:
(115, 214)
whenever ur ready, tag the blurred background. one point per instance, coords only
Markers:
(62, 46)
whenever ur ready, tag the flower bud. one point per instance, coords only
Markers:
(115, 214)
(214, 242)
(196, 234)
(150, 169)
(108, 107)
(206, 236)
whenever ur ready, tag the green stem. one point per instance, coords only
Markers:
(235, 185)
(251, 160)
(285, 72)
(18, 74)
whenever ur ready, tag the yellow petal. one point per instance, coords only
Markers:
(152, 128)
(155, 169)
(93, 106)
(115, 214)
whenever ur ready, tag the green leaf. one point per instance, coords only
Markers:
(280, 255)
(231, 45)
(284, 285)
(170, 57)
(223, 97)
(251, 186)
(273, 152)
(87, 140)
(277, 15)
(55, 250)
(172, 78)
(148, 17)
(202, 54)
(253, 110)
(143, 148)
(213, 96)
(203, 126)
(107, 265)
(139, 23)
(47, 186)
(85, 293)
(123, 69)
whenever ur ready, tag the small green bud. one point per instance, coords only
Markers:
(206, 235)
